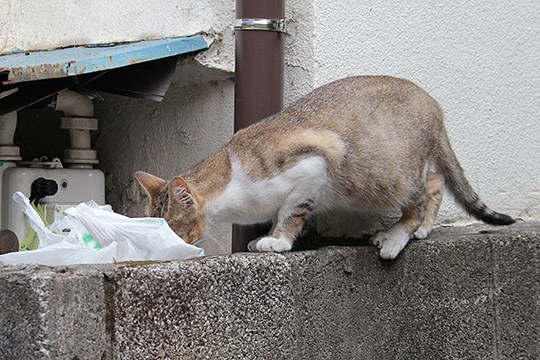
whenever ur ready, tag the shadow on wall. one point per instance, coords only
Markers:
(191, 123)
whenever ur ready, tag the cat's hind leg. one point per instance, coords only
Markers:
(287, 227)
(392, 241)
(434, 192)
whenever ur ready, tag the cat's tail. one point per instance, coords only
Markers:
(462, 190)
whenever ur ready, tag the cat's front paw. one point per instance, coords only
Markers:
(390, 243)
(421, 233)
(378, 239)
(391, 250)
(267, 244)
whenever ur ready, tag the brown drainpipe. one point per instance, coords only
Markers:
(260, 41)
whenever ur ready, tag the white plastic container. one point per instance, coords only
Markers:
(74, 186)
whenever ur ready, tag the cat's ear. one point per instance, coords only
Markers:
(179, 192)
(152, 184)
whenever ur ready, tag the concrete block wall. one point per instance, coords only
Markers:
(471, 292)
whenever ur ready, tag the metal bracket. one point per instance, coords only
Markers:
(277, 25)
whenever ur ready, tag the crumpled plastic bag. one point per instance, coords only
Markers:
(89, 234)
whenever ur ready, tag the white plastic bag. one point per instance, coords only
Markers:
(119, 238)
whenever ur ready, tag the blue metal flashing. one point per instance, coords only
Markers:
(79, 60)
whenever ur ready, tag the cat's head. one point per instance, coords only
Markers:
(176, 202)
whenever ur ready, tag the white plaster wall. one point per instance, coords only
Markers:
(300, 67)
(29, 25)
(478, 59)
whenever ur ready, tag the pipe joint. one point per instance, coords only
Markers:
(74, 104)
(79, 135)
(277, 25)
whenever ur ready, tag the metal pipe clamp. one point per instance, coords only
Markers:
(277, 25)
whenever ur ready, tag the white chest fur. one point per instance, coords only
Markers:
(248, 201)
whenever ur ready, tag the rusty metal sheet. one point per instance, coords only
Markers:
(40, 65)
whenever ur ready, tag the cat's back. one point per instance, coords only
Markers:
(357, 88)
(352, 104)
(355, 118)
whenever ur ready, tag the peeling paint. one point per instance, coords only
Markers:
(81, 60)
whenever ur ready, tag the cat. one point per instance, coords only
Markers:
(373, 143)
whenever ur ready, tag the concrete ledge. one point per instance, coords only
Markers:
(471, 292)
